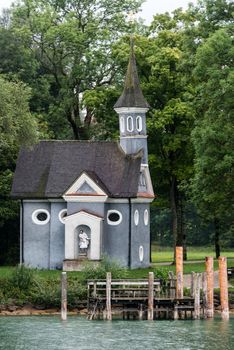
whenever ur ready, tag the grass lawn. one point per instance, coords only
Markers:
(158, 254)
(5, 271)
(165, 254)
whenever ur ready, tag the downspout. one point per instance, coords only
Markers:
(22, 232)
(130, 233)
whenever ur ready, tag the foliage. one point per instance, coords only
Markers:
(22, 277)
(70, 44)
(99, 270)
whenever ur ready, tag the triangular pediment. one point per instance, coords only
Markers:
(84, 186)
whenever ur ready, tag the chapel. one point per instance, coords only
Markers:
(81, 200)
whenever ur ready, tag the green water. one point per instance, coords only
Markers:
(49, 333)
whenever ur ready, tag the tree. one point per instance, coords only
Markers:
(17, 126)
(71, 42)
(213, 135)
(171, 119)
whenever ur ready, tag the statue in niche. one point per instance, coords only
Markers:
(83, 242)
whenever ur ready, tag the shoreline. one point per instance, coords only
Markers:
(32, 311)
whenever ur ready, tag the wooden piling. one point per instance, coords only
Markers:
(64, 296)
(192, 285)
(151, 296)
(108, 296)
(204, 293)
(210, 286)
(179, 273)
(197, 296)
(223, 285)
(171, 284)
(141, 312)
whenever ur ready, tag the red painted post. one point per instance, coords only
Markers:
(179, 273)
(223, 284)
(210, 286)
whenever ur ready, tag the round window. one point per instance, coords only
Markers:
(114, 217)
(141, 253)
(146, 217)
(41, 216)
(136, 217)
(62, 215)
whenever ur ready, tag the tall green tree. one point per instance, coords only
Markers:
(213, 138)
(71, 42)
(17, 127)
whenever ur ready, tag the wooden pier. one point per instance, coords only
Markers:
(137, 299)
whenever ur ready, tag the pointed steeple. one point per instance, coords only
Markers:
(132, 95)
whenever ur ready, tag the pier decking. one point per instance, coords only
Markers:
(137, 299)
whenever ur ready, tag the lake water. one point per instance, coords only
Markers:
(49, 333)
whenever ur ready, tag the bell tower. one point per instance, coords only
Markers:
(131, 108)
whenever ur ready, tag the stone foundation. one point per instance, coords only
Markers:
(77, 264)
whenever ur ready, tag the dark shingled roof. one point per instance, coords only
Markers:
(50, 168)
(132, 95)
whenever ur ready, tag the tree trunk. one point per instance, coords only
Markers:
(183, 229)
(174, 206)
(217, 237)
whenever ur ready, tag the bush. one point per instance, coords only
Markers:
(99, 270)
(22, 278)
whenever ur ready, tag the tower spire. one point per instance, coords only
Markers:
(132, 95)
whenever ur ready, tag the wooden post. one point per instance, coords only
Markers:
(171, 284)
(197, 296)
(108, 296)
(210, 286)
(204, 293)
(64, 296)
(179, 273)
(141, 312)
(151, 296)
(176, 313)
(223, 285)
(192, 290)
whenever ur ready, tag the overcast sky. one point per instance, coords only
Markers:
(150, 7)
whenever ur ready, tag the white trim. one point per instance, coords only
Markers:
(114, 223)
(61, 218)
(146, 217)
(139, 123)
(122, 124)
(145, 165)
(135, 137)
(142, 200)
(35, 219)
(117, 200)
(83, 213)
(136, 217)
(130, 121)
(141, 253)
(85, 199)
(131, 110)
(80, 181)
(59, 200)
(35, 200)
